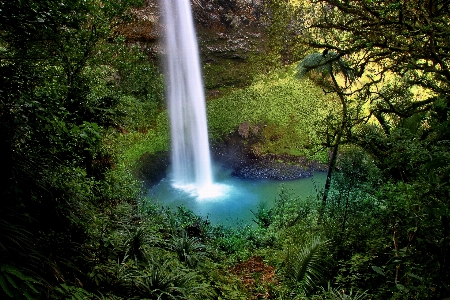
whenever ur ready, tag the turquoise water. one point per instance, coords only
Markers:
(230, 200)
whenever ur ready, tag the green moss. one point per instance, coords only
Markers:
(129, 147)
(289, 110)
(227, 73)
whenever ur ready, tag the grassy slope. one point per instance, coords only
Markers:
(290, 109)
(131, 146)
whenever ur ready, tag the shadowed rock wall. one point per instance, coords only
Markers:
(226, 29)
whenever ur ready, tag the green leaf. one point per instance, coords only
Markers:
(28, 295)
(5, 287)
(13, 271)
(31, 287)
(378, 270)
(11, 281)
(414, 276)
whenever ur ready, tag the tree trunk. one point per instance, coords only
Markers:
(334, 152)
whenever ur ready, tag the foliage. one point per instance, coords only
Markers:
(71, 292)
(402, 85)
(267, 102)
(286, 22)
(304, 266)
(328, 66)
(16, 285)
(289, 210)
(324, 64)
(352, 199)
(59, 95)
(338, 294)
(188, 249)
(79, 107)
(376, 39)
(164, 282)
(263, 216)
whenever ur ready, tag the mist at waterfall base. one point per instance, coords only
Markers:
(239, 197)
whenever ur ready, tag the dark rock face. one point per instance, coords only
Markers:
(225, 28)
(239, 151)
(226, 14)
(232, 153)
(151, 167)
(268, 169)
(236, 151)
(230, 29)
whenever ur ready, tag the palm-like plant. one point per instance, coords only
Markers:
(157, 281)
(162, 281)
(188, 249)
(338, 294)
(326, 64)
(16, 245)
(303, 265)
(138, 239)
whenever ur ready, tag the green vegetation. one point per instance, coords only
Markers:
(79, 107)
(289, 112)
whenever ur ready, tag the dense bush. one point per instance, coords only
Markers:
(78, 107)
(59, 71)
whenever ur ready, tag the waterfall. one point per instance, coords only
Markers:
(191, 162)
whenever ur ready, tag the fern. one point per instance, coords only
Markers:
(17, 285)
(138, 239)
(188, 249)
(338, 294)
(72, 292)
(303, 264)
(166, 281)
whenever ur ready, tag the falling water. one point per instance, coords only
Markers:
(191, 162)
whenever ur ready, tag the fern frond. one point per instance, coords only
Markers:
(303, 265)
(339, 294)
(325, 63)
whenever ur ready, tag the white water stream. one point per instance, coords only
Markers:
(191, 160)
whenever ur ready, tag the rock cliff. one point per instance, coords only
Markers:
(229, 32)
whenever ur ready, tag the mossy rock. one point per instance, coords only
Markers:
(151, 167)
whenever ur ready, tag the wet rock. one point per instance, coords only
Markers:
(244, 130)
(242, 151)
(266, 169)
(226, 29)
(232, 152)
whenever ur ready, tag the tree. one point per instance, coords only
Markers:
(328, 65)
(52, 57)
(397, 49)
(400, 49)
(409, 39)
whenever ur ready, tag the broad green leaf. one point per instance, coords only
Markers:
(414, 276)
(13, 271)
(378, 270)
(28, 295)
